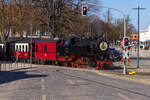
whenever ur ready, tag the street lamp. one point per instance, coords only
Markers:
(125, 68)
(138, 42)
(31, 46)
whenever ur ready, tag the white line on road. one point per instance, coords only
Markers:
(42, 84)
(42, 80)
(42, 87)
(123, 96)
(43, 97)
(70, 81)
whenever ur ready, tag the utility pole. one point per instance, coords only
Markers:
(138, 42)
(31, 46)
(53, 16)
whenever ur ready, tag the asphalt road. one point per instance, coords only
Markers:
(53, 83)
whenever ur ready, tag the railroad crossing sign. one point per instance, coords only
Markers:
(125, 56)
(125, 50)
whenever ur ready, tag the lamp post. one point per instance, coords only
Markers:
(138, 42)
(31, 47)
(118, 10)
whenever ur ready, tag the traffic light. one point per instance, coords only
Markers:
(84, 10)
(126, 42)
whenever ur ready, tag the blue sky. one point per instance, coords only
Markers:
(126, 6)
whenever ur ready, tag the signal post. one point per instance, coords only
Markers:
(125, 48)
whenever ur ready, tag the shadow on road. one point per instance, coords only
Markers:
(9, 76)
(116, 68)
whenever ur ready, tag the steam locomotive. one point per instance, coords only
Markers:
(79, 51)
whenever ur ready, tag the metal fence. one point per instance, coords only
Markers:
(142, 53)
(10, 66)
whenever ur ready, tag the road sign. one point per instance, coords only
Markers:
(125, 56)
(133, 44)
(125, 50)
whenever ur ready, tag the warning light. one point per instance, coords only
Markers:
(126, 42)
(84, 10)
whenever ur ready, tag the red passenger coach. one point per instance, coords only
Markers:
(22, 49)
(46, 50)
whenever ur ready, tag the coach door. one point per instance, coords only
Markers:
(33, 49)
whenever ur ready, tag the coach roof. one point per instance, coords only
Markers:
(28, 40)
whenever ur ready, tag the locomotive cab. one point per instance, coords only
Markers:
(74, 46)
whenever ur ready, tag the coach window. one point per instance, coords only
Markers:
(36, 48)
(45, 48)
(19, 47)
(16, 47)
(23, 48)
(26, 48)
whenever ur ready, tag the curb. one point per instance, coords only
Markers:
(125, 77)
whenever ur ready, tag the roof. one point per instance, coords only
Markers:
(33, 40)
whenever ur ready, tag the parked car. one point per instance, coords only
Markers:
(117, 55)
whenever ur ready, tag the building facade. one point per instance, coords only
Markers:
(133, 38)
(145, 35)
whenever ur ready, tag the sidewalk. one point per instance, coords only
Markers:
(142, 75)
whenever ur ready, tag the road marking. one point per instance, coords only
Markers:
(123, 96)
(42, 87)
(42, 84)
(71, 82)
(43, 97)
(42, 80)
